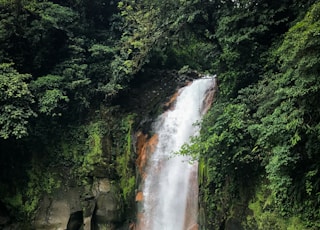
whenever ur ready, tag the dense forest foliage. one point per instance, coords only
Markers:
(63, 62)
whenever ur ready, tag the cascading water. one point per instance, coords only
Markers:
(170, 188)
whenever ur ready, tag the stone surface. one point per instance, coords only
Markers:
(55, 211)
(145, 147)
(53, 215)
(97, 206)
(101, 203)
(87, 223)
(101, 186)
(107, 209)
(139, 196)
(99, 226)
(150, 94)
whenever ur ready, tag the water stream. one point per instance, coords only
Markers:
(170, 187)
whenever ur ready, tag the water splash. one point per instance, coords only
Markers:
(170, 189)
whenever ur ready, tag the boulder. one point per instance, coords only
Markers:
(108, 210)
(55, 210)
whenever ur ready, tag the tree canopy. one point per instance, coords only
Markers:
(269, 133)
(63, 61)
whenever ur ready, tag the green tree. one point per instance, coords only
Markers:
(148, 28)
(269, 133)
(16, 102)
(244, 31)
(50, 93)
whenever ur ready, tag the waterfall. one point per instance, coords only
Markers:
(170, 188)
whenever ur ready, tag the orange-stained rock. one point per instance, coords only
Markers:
(145, 149)
(194, 227)
(169, 104)
(192, 200)
(141, 140)
(188, 83)
(207, 102)
(139, 196)
(140, 225)
(152, 144)
(132, 226)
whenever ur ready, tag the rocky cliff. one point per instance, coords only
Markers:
(88, 176)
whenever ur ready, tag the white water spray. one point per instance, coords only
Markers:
(170, 202)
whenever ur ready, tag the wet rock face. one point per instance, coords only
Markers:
(99, 205)
(108, 211)
(55, 211)
(74, 208)
(149, 91)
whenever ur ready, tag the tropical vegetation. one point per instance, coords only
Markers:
(63, 64)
